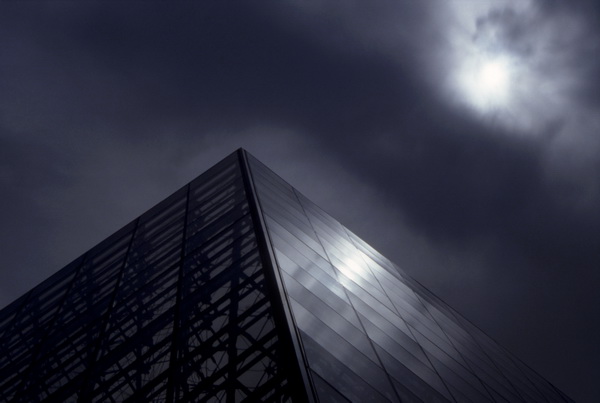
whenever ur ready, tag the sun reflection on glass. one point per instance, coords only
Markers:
(352, 267)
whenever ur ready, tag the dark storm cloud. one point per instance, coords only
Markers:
(164, 63)
(103, 105)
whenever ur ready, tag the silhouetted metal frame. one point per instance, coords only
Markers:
(300, 382)
(25, 379)
(177, 308)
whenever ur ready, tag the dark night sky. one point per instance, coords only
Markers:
(459, 138)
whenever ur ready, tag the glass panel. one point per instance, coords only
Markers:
(326, 392)
(356, 354)
(426, 387)
(341, 377)
(282, 228)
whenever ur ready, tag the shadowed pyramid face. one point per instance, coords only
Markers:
(237, 287)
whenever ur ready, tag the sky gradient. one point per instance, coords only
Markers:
(485, 189)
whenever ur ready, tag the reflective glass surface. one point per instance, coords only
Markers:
(370, 332)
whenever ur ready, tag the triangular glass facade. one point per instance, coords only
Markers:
(238, 288)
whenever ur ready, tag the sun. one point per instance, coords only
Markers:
(493, 81)
(485, 82)
(493, 78)
(488, 76)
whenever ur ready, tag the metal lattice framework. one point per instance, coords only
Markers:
(173, 307)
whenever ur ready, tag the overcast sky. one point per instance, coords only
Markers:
(459, 138)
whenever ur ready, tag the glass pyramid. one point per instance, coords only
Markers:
(238, 288)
